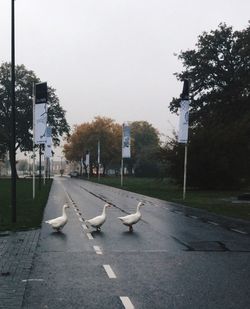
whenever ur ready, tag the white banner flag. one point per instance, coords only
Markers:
(40, 123)
(126, 141)
(40, 113)
(87, 159)
(98, 152)
(183, 122)
(48, 144)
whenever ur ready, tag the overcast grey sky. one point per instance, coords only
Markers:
(113, 58)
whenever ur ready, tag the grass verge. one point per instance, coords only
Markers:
(29, 212)
(219, 202)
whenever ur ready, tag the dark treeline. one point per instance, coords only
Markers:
(219, 142)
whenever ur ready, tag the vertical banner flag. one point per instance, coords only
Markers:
(40, 121)
(99, 152)
(184, 114)
(48, 144)
(126, 141)
(87, 158)
(87, 162)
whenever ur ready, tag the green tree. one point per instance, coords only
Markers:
(24, 109)
(219, 144)
(85, 138)
(145, 143)
(109, 134)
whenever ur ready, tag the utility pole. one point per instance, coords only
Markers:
(13, 116)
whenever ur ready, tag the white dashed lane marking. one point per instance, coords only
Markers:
(126, 302)
(89, 236)
(30, 280)
(109, 271)
(211, 222)
(97, 249)
(193, 217)
(238, 231)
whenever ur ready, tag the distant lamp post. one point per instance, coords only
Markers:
(61, 165)
(13, 116)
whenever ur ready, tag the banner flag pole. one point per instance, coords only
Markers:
(40, 111)
(122, 172)
(183, 127)
(47, 153)
(126, 151)
(44, 169)
(98, 159)
(87, 162)
(185, 173)
(34, 154)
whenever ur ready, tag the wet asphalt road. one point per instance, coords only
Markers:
(169, 261)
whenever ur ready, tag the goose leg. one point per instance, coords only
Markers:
(130, 228)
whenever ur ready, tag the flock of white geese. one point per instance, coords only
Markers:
(58, 223)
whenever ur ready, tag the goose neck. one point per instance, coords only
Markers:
(104, 210)
(138, 207)
(64, 212)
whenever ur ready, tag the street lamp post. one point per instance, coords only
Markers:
(13, 116)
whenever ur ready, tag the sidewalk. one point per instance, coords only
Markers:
(16, 254)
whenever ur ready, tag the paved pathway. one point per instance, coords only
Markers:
(16, 255)
(17, 250)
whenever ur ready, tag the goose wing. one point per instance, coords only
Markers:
(57, 222)
(130, 219)
(96, 221)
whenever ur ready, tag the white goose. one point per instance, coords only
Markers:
(98, 221)
(131, 219)
(59, 222)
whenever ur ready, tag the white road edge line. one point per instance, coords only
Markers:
(238, 231)
(80, 219)
(97, 249)
(194, 217)
(89, 236)
(29, 280)
(109, 271)
(214, 223)
(126, 302)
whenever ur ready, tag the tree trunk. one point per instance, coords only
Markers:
(104, 170)
(13, 165)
